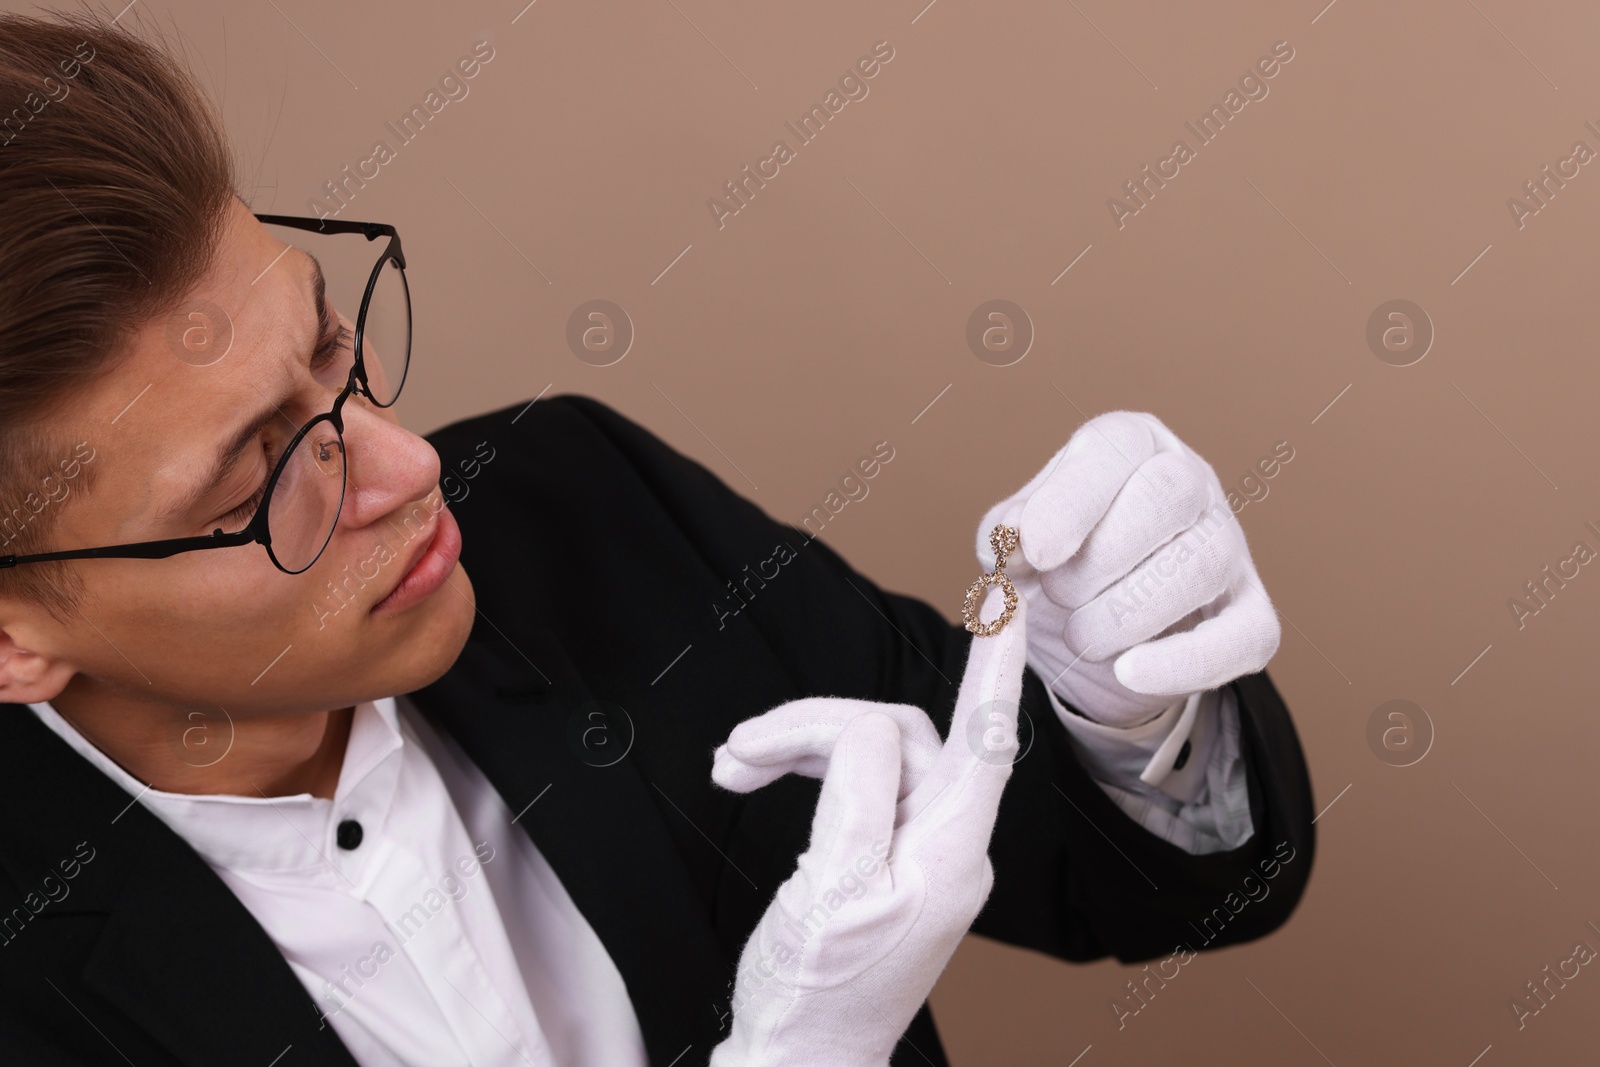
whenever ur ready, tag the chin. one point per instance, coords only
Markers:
(437, 633)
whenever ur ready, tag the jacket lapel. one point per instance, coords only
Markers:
(515, 710)
(178, 953)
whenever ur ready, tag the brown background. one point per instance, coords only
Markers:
(830, 312)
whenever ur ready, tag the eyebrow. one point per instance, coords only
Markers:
(227, 460)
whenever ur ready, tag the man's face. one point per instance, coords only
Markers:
(225, 627)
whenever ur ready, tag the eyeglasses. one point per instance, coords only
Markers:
(300, 503)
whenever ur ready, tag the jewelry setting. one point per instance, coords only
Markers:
(1004, 540)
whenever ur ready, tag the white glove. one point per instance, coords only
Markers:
(896, 870)
(1127, 536)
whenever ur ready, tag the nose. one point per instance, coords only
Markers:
(387, 467)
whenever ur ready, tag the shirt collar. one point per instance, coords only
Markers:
(271, 834)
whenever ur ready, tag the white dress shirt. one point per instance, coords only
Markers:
(1202, 806)
(444, 938)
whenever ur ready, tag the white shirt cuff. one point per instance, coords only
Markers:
(1201, 806)
(1150, 751)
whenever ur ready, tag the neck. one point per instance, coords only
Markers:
(203, 750)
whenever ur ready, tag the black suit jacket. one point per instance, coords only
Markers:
(602, 561)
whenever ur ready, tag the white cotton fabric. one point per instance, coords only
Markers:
(1142, 586)
(486, 960)
(896, 870)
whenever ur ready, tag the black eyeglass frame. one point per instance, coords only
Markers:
(256, 531)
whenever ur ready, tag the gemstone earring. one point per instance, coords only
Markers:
(1004, 540)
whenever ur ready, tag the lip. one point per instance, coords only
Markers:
(433, 563)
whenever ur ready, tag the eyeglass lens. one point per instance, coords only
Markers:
(305, 502)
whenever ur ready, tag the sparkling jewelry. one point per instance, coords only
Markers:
(1004, 540)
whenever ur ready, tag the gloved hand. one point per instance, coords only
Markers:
(896, 870)
(1142, 586)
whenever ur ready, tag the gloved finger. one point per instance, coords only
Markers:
(1165, 496)
(732, 773)
(1008, 512)
(1239, 639)
(1193, 569)
(975, 760)
(798, 736)
(856, 807)
(1097, 461)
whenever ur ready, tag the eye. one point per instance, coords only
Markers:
(247, 509)
(333, 345)
(331, 348)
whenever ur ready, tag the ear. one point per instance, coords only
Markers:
(27, 677)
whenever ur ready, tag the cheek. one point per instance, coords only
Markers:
(235, 597)
(186, 625)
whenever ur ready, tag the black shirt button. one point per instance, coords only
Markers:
(1177, 765)
(349, 834)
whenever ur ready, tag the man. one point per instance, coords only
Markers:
(280, 783)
